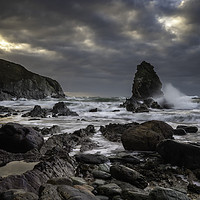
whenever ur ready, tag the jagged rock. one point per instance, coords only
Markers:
(36, 112)
(146, 136)
(91, 158)
(181, 154)
(30, 181)
(69, 141)
(126, 174)
(113, 132)
(14, 194)
(188, 129)
(61, 109)
(159, 193)
(18, 82)
(146, 85)
(50, 131)
(19, 139)
(146, 82)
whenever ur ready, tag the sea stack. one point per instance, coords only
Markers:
(146, 86)
(146, 82)
(17, 82)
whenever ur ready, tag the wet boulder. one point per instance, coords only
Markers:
(91, 158)
(61, 109)
(19, 139)
(188, 129)
(146, 136)
(50, 131)
(36, 112)
(180, 154)
(179, 131)
(18, 195)
(126, 174)
(64, 192)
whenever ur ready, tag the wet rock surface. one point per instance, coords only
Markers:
(122, 176)
(36, 112)
(146, 136)
(19, 139)
(181, 154)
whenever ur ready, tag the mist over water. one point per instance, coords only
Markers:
(178, 99)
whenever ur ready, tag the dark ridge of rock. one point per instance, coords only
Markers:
(61, 109)
(30, 156)
(180, 154)
(53, 166)
(146, 136)
(113, 132)
(16, 138)
(69, 141)
(93, 110)
(18, 82)
(146, 82)
(179, 131)
(36, 112)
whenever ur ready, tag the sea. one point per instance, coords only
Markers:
(186, 111)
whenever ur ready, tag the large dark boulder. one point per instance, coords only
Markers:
(181, 154)
(61, 109)
(19, 139)
(18, 82)
(146, 82)
(146, 136)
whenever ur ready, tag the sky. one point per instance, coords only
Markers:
(94, 46)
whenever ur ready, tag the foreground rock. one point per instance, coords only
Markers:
(54, 165)
(18, 82)
(65, 192)
(20, 194)
(146, 85)
(180, 154)
(61, 109)
(146, 136)
(113, 132)
(128, 175)
(19, 139)
(91, 158)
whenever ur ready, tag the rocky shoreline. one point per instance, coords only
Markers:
(154, 166)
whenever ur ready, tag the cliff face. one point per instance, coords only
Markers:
(18, 82)
(146, 82)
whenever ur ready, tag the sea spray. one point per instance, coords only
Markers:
(176, 98)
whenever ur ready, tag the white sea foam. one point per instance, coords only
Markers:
(175, 97)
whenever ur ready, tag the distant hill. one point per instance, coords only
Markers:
(17, 82)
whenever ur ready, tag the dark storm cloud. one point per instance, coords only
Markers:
(95, 45)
